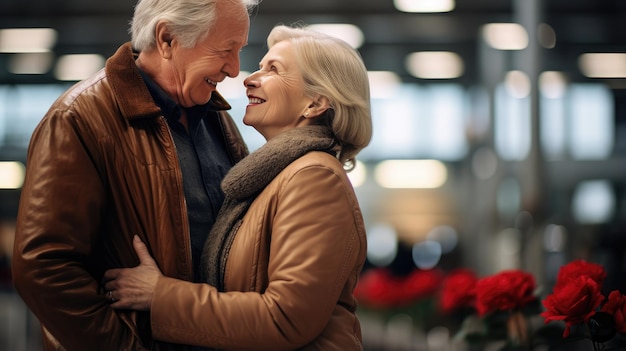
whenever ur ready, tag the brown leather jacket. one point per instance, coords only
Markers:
(102, 167)
(290, 271)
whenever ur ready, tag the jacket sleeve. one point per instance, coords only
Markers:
(57, 225)
(315, 246)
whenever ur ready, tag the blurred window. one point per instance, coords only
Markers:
(21, 109)
(419, 121)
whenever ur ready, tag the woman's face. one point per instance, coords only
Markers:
(276, 93)
(196, 71)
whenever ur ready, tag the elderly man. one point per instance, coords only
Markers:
(139, 148)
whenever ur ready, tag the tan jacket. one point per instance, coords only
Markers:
(101, 167)
(289, 275)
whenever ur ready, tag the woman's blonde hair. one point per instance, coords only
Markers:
(331, 68)
(188, 20)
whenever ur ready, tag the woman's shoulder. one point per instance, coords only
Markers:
(317, 162)
(317, 158)
(315, 167)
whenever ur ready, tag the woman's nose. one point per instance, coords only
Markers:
(251, 80)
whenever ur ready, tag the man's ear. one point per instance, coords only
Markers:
(163, 40)
(317, 107)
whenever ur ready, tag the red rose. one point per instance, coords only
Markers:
(616, 306)
(507, 290)
(458, 290)
(376, 288)
(419, 284)
(574, 301)
(577, 268)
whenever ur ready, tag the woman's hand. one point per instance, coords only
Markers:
(133, 288)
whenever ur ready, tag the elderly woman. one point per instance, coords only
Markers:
(285, 254)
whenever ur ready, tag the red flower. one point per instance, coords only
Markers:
(378, 288)
(419, 284)
(576, 268)
(616, 306)
(507, 290)
(458, 290)
(573, 301)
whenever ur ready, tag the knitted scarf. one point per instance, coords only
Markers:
(246, 180)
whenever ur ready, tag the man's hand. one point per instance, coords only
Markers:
(133, 288)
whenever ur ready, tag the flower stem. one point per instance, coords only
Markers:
(595, 344)
(517, 329)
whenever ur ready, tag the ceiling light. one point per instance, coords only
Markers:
(552, 84)
(505, 36)
(77, 67)
(19, 40)
(517, 84)
(546, 36)
(424, 5)
(31, 63)
(603, 65)
(347, 32)
(11, 174)
(435, 64)
(403, 174)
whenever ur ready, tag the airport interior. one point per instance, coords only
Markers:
(499, 146)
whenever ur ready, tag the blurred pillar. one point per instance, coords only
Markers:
(481, 197)
(529, 14)
(482, 192)
(482, 167)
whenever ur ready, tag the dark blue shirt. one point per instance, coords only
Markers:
(203, 160)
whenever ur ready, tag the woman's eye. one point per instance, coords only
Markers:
(271, 68)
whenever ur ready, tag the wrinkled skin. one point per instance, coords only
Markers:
(132, 288)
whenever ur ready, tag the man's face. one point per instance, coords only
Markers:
(196, 71)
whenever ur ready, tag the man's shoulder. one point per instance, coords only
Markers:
(80, 96)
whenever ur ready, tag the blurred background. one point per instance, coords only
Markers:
(499, 132)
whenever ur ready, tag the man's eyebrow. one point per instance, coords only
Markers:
(236, 42)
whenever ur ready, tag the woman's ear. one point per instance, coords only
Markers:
(163, 40)
(317, 107)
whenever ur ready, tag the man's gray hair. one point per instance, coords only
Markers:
(188, 20)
